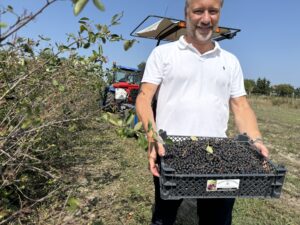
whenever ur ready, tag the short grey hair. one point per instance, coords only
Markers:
(187, 2)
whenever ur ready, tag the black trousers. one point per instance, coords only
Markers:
(210, 211)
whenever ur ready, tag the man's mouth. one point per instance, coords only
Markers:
(204, 29)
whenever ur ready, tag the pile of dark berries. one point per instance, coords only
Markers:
(228, 156)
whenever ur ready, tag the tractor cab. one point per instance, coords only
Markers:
(124, 74)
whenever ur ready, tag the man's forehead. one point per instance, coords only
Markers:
(200, 1)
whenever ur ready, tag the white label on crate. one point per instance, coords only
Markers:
(223, 185)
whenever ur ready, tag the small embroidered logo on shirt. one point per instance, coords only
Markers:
(223, 67)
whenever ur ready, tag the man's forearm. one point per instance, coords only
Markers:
(145, 113)
(245, 119)
(246, 122)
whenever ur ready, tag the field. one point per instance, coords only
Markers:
(108, 181)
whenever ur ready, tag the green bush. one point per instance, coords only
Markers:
(45, 101)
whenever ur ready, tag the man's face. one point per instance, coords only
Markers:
(202, 17)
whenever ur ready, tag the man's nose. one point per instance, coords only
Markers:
(205, 17)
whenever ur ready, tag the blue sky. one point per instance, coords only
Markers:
(267, 46)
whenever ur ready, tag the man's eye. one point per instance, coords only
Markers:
(199, 12)
(213, 12)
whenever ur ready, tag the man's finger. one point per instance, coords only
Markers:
(263, 149)
(153, 167)
(265, 153)
(160, 149)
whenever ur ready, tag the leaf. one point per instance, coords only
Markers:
(26, 123)
(105, 29)
(10, 8)
(2, 134)
(159, 139)
(113, 121)
(128, 44)
(3, 25)
(116, 18)
(120, 122)
(129, 132)
(120, 132)
(105, 116)
(100, 50)
(92, 37)
(27, 48)
(47, 50)
(55, 82)
(99, 27)
(72, 128)
(103, 40)
(142, 141)
(138, 126)
(86, 45)
(193, 138)
(73, 204)
(3, 213)
(61, 88)
(209, 149)
(83, 28)
(23, 62)
(84, 19)
(149, 126)
(78, 6)
(115, 37)
(44, 38)
(63, 47)
(130, 119)
(168, 141)
(99, 5)
(20, 39)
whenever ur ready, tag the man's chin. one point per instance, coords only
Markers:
(204, 37)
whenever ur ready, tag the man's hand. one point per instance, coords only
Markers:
(262, 148)
(154, 148)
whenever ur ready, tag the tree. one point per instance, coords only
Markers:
(142, 66)
(25, 18)
(43, 102)
(297, 92)
(284, 90)
(249, 85)
(262, 86)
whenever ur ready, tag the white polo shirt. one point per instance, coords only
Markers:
(194, 88)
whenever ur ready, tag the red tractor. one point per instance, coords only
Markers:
(122, 92)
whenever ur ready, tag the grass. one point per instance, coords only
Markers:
(280, 127)
(111, 182)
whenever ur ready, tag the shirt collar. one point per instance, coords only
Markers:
(182, 44)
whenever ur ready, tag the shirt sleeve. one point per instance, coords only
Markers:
(153, 70)
(237, 82)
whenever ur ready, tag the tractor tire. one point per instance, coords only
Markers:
(110, 102)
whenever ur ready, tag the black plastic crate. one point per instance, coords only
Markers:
(263, 181)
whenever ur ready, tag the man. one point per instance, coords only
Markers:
(195, 82)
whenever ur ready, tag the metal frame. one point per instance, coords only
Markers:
(167, 31)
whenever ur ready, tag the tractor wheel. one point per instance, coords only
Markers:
(110, 102)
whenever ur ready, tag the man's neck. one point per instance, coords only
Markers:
(201, 47)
